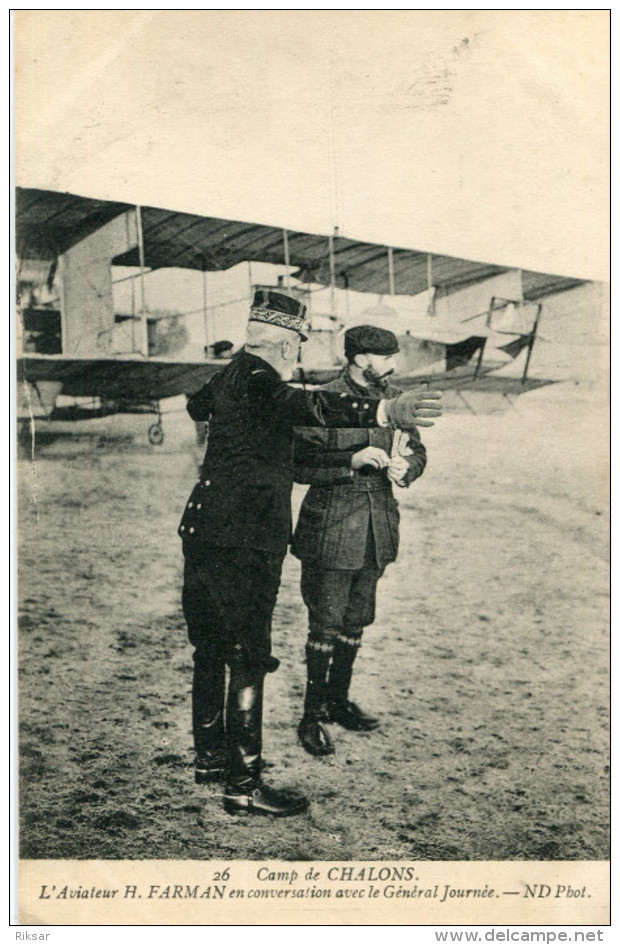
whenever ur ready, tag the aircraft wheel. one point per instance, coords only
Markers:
(156, 434)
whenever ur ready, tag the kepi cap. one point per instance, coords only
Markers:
(275, 308)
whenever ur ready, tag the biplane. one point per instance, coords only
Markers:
(76, 346)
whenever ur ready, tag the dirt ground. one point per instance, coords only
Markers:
(488, 663)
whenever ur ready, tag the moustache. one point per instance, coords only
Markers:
(379, 380)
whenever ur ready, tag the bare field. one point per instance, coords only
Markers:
(488, 663)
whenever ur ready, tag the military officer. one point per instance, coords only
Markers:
(347, 532)
(235, 530)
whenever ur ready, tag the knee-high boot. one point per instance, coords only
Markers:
(245, 793)
(341, 709)
(312, 734)
(208, 718)
(244, 718)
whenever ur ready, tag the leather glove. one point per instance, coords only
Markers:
(412, 408)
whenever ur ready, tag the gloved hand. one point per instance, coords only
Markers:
(411, 408)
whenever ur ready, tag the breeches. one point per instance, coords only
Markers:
(340, 603)
(229, 595)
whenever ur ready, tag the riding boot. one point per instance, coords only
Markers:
(208, 719)
(245, 793)
(312, 734)
(341, 709)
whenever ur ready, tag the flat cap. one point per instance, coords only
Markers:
(368, 339)
(275, 308)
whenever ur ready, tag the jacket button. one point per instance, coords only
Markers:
(199, 506)
(182, 528)
(190, 505)
(207, 482)
(192, 530)
(354, 404)
(365, 406)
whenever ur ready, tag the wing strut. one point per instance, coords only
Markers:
(391, 270)
(332, 275)
(429, 284)
(144, 336)
(205, 314)
(530, 346)
(287, 261)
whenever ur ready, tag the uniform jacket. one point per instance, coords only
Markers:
(342, 504)
(243, 497)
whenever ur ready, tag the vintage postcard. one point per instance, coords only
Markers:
(299, 642)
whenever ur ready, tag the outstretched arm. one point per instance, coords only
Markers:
(282, 404)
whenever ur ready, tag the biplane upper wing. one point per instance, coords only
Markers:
(48, 223)
(117, 379)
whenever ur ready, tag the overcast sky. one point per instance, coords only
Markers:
(481, 134)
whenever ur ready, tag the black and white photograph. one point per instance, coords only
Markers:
(312, 461)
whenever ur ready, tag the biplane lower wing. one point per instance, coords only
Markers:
(487, 382)
(109, 385)
(135, 380)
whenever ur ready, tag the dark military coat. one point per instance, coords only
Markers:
(243, 497)
(343, 504)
